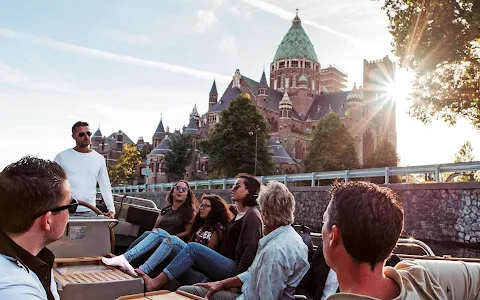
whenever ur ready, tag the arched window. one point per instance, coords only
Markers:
(282, 80)
(294, 80)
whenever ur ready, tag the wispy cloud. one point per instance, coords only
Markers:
(228, 44)
(90, 52)
(13, 77)
(275, 10)
(128, 37)
(206, 19)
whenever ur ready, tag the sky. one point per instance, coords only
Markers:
(122, 65)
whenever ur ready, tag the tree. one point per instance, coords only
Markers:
(385, 155)
(332, 147)
(124, 169)
(180, 157)
(464, 154)
(440, 41)
(231, 146)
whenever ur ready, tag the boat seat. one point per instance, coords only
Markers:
(137, 222)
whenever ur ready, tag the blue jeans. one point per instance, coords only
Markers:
(214, 265)
(170, 245)
(150, 242)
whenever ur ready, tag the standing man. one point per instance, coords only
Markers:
(84, 168)
(34, 199)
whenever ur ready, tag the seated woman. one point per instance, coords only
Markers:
(236, 252)
(175, 219)
(281, 260)
(209, 227)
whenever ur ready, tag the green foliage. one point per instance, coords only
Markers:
(124, 169)
(385, 156)
(231, 146)
(332, 148)
(440, 42)
(180, 157)
(464, 154)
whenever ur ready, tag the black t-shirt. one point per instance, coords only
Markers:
(173, 221)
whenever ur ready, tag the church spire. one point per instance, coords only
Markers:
(213, 96)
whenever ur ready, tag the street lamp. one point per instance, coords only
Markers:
(251, 132)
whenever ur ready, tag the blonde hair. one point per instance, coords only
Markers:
(277, 204)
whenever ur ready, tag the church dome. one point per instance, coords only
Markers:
(296, 43)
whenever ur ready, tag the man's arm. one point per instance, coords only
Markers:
(271, 281)
(105, 187)
(232, 282)
(459, 280)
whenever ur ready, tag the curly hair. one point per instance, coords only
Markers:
(219, 213)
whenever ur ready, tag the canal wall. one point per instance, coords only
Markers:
(442, 212)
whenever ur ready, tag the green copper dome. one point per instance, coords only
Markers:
(296, 44)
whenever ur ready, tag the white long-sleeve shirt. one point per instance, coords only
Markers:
(84, 170)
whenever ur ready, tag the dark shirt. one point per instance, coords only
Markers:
(174, 221)
(41, 264)
(242, 236)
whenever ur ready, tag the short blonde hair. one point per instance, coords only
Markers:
(277, 204)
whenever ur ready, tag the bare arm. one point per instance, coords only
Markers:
(188, 228)
(214, 240)
(157, 222)
(105, 187)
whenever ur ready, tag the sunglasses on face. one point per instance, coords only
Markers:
(237, 186)
(82, 134)
(202, 206)
(181, 188)
(72, 207)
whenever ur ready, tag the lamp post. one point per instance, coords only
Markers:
(251, 132)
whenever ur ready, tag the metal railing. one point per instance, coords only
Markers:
(346, 175)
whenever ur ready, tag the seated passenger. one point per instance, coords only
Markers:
(175, 219)
(35, 201)
(208, 228)
(281, 260)
(321, 281)
(361, 226)
(234, 255)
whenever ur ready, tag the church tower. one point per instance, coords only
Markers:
(213, 96)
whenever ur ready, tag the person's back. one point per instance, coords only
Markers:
(281, 262)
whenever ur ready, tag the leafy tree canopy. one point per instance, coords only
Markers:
(385, 155)
(124, 169)
(440, 41)
(332, 147)
(180, 157)
(231, 145)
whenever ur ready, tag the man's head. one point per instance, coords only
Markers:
(30, 189)
(277, 204)
(362, 220)
(81, 134)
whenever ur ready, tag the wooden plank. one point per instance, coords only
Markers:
(59, 277)
(78, 259)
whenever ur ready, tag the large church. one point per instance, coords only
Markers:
(293, 98)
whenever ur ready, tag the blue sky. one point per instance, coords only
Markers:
(122, 64)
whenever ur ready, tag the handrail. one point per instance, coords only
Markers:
(401, 242)
(137, 199)
(344, 174)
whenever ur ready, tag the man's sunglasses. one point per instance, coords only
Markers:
(82, 134)
(72, 207)
(181, 188)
